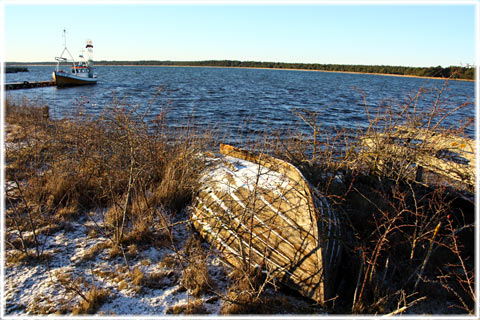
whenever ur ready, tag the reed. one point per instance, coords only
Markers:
(408, 242)
(398, 223)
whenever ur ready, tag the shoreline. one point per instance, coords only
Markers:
(288, 69)
(260, 68)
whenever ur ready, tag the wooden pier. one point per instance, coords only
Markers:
(15, 69)
(29, 85)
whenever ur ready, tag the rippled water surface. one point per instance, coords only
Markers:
(246, 100)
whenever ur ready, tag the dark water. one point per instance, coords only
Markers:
(247, 101)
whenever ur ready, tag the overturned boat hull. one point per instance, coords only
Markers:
(259, 211)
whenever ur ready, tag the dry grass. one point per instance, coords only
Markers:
(81, 297)
(61, 169)
(94, 250)
(243, 296)
(93, 300)
(161, 279)
(406, 244)
(195, 276)
(246, 295)
(192, 307)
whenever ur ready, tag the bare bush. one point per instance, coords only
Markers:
(408, 234)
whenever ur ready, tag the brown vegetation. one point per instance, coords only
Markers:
(113, 166)
(407, 243)
(59, 169)
(402, 228)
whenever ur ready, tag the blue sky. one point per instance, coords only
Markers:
(405, 34)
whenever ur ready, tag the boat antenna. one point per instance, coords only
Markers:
(61, 58)
(64, 38)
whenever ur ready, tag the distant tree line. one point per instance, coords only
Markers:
(448, 72)
(454, 72)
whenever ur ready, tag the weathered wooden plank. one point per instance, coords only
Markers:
(441, 153)
(440, 140)
(308, 283)
(259, 252)
(260, 220)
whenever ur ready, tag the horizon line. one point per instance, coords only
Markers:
(254, 61)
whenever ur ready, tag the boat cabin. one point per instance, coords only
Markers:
(79, 69)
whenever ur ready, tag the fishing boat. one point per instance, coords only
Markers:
(79, 73)
(260, 212)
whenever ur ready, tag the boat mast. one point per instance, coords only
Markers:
(65, 38)
(61, 58)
